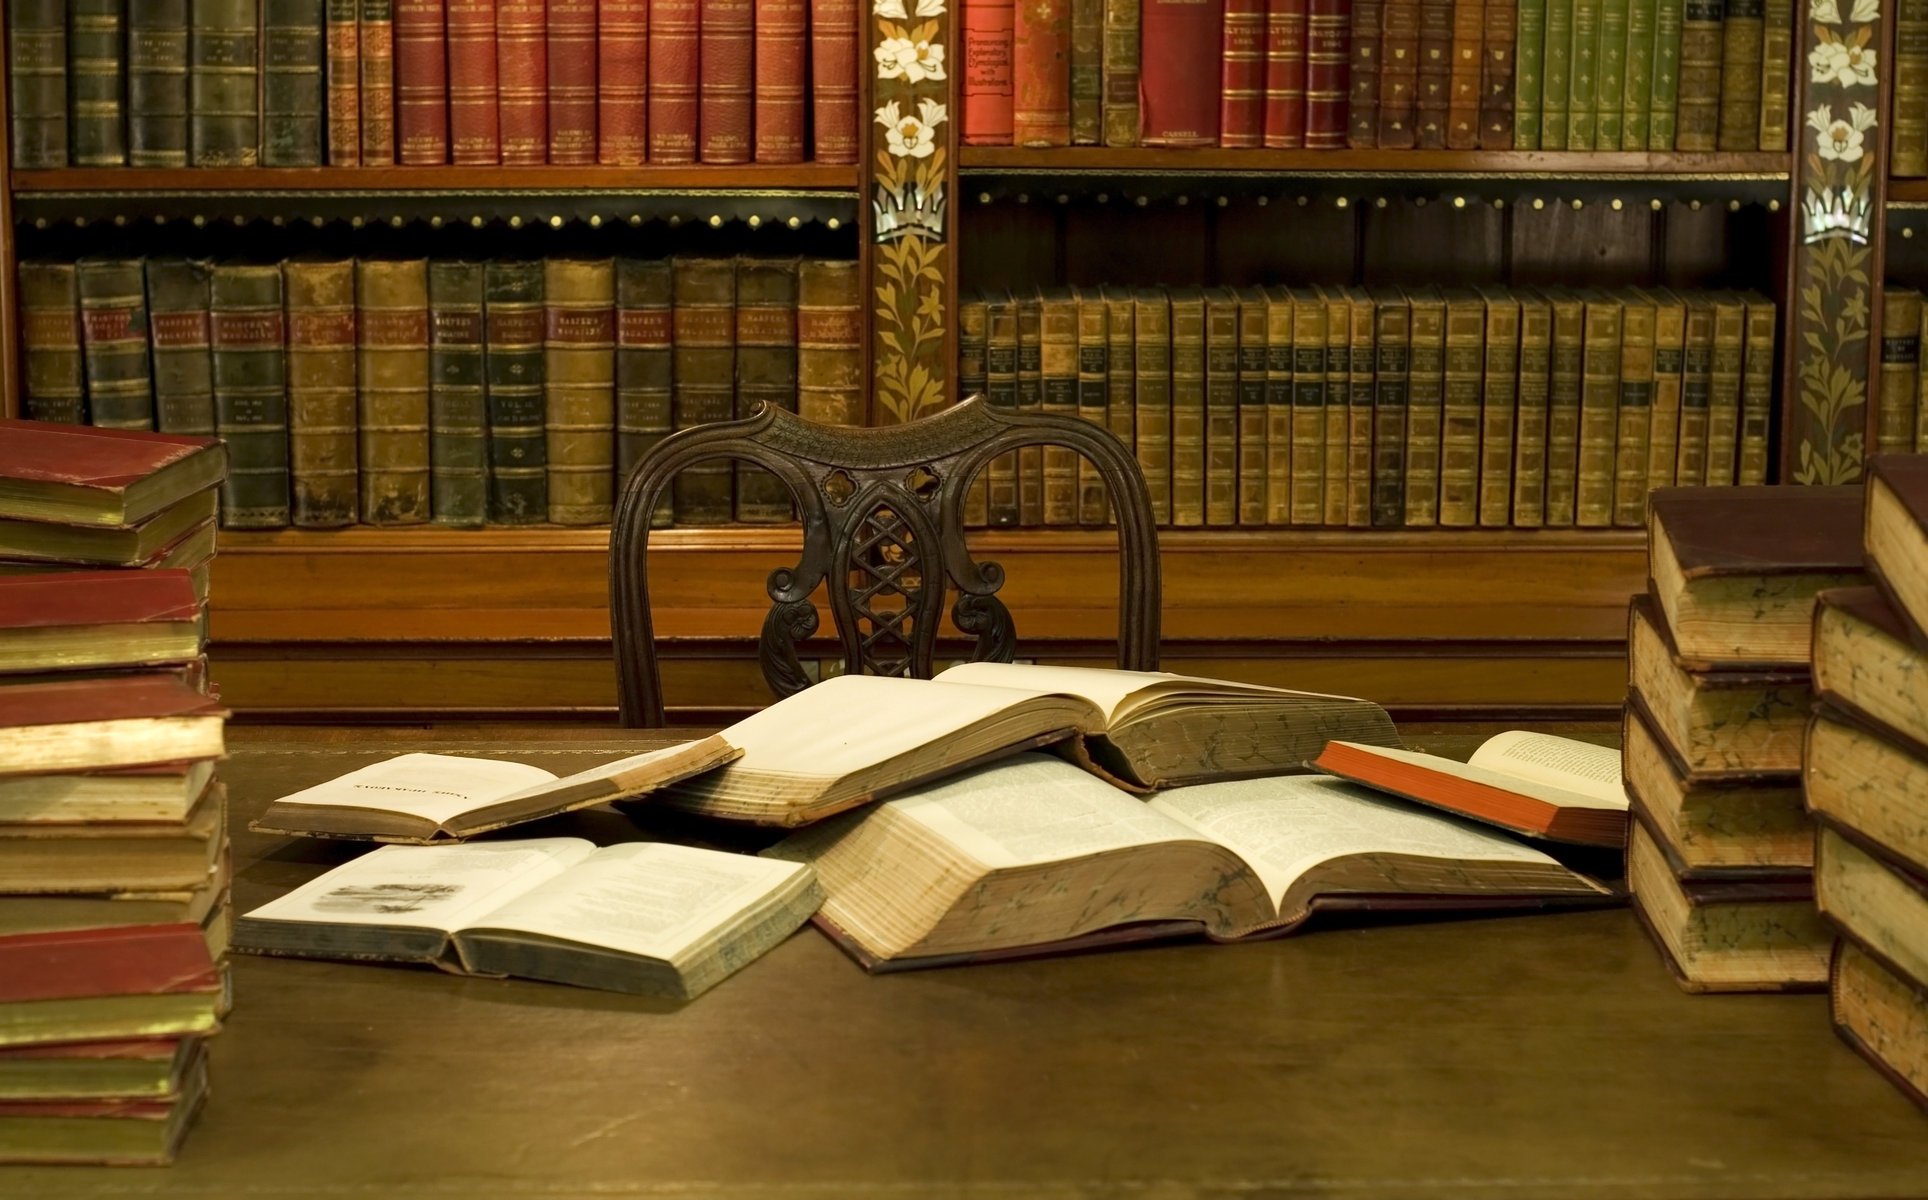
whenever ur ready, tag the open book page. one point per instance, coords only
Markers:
(427, 887)
(1116, 693)
(1507, 780)
(651, 899)
(435, 787)
(1573, 766)
(627, 774)
(1285, 825)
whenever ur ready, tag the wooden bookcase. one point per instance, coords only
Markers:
(429, 621)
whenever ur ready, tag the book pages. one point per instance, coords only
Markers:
(1116, 693)
(435, 787)
(1564, 763)
(428, 887)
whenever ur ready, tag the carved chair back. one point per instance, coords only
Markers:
(882, 512)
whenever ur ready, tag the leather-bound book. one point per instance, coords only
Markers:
(831, 386)
(1497, 64)
(323, 427)
(1565, 382)
(1058, 339)
(458, 417)
(704, 298)
(1696, 390)
(782, 53)
(1724, 388)
(1087, 72)
(1308, 406)
(1463, 77)
(518, 441)
(1900, 369)
(1359, 403)
(1337, 423)
(1459, 429)
(1599, 397)
(1431, 104)
(1882, 1014)
(1030, 310)
(392, 374)
(522, 80)
(1285, 66)
(1122, 57)
(96, 64)
(341, 71)
(1739, 126)
(571, 57)
(622, 85)
(1637, 88)
(1181, 48)
(644, 352)
(1121, 370)
(1556, 70)
(250, 393)
(377, 60)
(37, 82)
(1582, 72)
(291, 86)
(1278, 406)
(1633, 441)
(55, 379)
(1328, 53)
(1221, 407)
(1697, 112)
(421, 82)
(1187, 407)
(1398, 74)
(157, 71)
(1392, 338)
(223, 53)
(1241, 92)
(579, 378)
(727, 36)
(1662, 122)
(113, 326)
(1908, 152)
(673, 58)
(1251, 406)
(1425, 402)
(972, 337)
(1362, 97)
(1001, 391)
(1041, 74)
(834, 118)
(177, 317)
(1529, 73)
(1609, 74)
(1663, 431)
(1757, 389)
(1094, 396)
(1777, 64)
(475, 129)
(1152, 396)
(1499, 407)
(1529, 430)
(766, 372)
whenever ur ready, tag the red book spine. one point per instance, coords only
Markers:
(782, 53)
(1179, 72)
(377, 83)
(622, 82)
(1328, 68)
(989, 30)
(1285, 74)
(833, 80)
(522, 71)
(421, 83)
(672, 81)
(1241, 105)
(572, 82)
(727, 37)
(475, 137)
(1041, 74)
(344, 83)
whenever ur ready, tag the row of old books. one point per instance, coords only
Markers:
(114, 867)
(398, 392)
(1909, 116)
(1660, 75)
(297, 83)
(1901, 408)
(1376, 406)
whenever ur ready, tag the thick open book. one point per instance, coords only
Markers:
(1032, 854)
(643, 917)
(1531, 783)
(422, 798)
(855, 738)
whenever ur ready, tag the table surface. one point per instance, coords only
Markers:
(1545, 1055)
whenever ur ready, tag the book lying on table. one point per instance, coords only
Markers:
(1752, 824)
(856, 738)
(1883, 1014)
(123, 721)
(104, 546)
(130, 1069)
(158, 792)
(92, 985)
(84, 475)
(122, 856)
(106, 1132)
(422, 798)
(1726, 723)
(1034, 855)
(80, 619)
(1531, 783)
(642, 917)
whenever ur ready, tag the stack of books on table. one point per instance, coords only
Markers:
(114, 918)
(1866, 774)
(1720, 858)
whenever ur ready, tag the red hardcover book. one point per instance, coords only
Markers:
(1285, 22)
(343, 73)
(622, 82)
(377, 56)
(833, 80)
(137, 698)
(672, 80)
(522, 75)
(1463, 81)
(1328, 65)
(128, 960)
(475, 132)
(1041, 74)
(63, 599)
(108, 477)
(421, 83)
(572, 82)
(782, 65)
(1241, 95)
(1398, 73)
(990, 29)
(1180, 72)
(726, 80)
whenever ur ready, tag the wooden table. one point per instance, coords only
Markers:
(1518, 1057)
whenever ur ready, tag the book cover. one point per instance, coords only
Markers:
(1278, 406)
(96, 66)
(1328, 53)
(1392, 322)
(1583, 74)
(1724, 388)
(157, 81)
(833, 80)
(1610, 74)
(1432, 105)
(37, 82)
(1241, 111)
(1463, 75)
(726, 42)
(323, 457)
(1041, 74)
(1120, 69)
(475, 130)
(522, 80)
(1529, 66)
(1635, 417)
(1499, 407)
(1121, 378)
(1152, 396)
(1460, 411)
(1908, 149)
(1497, 69)
(1087, 72)
(1001, 391)
(1739, 125)
(1362, 100)
(292, 100)
(1425, 402)
(1187, 407)
(570, 54)
(1670, 343)
(1556, 74)
(341, 71)
(1697, 110)
(392, 379)
(990, 32)
(1901, 314)
(1221, 406)
(1777, 65)
(113, 326)
(1058, 367)
(249, 371)
(1252, 423)
(1398, 74)
(1285, 73)
(177, 313)
(1181, 42)
(1030, 399)
(1308, 407)
(1337, 422)
(223, 55)
(1662, 123)
(1599, 397)
(579, 388)
(704, 371)
(766, 373)
(421, 82)
(644, 366)
(1696, 390)
(1359, 409)
(622, 76)
(830, 346)
(1529, 431)
(1565, 383)
(513, 362)
(54, 381)
(1094, 398)
(782, 67)
(377, 60)
(1637, 87)
(458, 418)
(1757, 389)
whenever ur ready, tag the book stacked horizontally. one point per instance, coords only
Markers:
(1866, 776)
(114, 916)
(1720, 858)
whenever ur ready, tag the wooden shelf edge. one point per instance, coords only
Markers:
(1530, 163)
(801, 176)
(1908, 191)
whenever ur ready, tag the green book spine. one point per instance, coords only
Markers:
(766, 373)
(1359, 410)
(177, 318)
(1529, 437)
(1581, 74)
(1461, 414)
(37, 82)
(291, 86)
(1634, 419)
(1665, 75)
(55, 382)
(458, 420)
(1121, 372)
(96, 63)
(1610, 74)
(224, 57)
(1599, 404)
(1637, 92)
(1738, 126)
(157, 83)
(973, 323)
(518, 445)
(1308, 406)
(1556, 74)
(1529, 75)
(1565, 381)
(1334, 460)
(251, 393)
(113, 326)
(1087, 74)
(643, 366)
(1697, 111)
(1278, 407)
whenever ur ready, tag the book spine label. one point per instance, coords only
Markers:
(1094, 506)
(1497, 66)
(1241, 105)
(522, 79)
(1529, 431)
(1663, 430)
(1637, 92)
(1599, 396)
(1435, 73)
(1359, 412)
(1499, 411)
(1529, 74)
(1392, 337)
(1120, 368)
(1001, 391)
(1181, 40)
(1609, 74)
(323, 438)
(342, 71)
(1338, 400)
(1463, 77)
(643, 366)
(1634, 420)
(622, 78)
(705, 375)
(54, 378)
(1582, 72)
(1058, 339)
(579, 380)
(392, 372)
(1121, 60)
(571, 57)
(1362, 100)
(458, 418)
(1308, 409)
(223, 50)
(475, 130)
(1040, 74)
(1152, 397)
(1459, 433)
(177, 305)
(37, 81)
(1221, 408)
(1908, 152)
(377, 59)
(833, 80)
(1328, 55)
(1030, 466)
(1251, 408)
(673, 61)
(249, 369)
(513, 361)
(421, 82)
(972, 333)
(1697, 112)
(766, 373)
(113, 323)
(1087, 72)
(1696, 389)
(830, 342)
(1285, 73)
(782, 50)
(1757, 392)
(1724, 390)
(292, 99)
(1556, 53)
(1188, 407)
(157, 73)
(96, 63)
(1564, 386)
(1739, 126)
(725, 117)
(1425, 399)
(1665, 72)
(1398, 74)
(1777, 67)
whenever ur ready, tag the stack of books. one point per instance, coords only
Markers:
(114, 917)
(1866, 774)
(1720, 860)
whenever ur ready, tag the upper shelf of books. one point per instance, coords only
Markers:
(1757, 166)
(811, 176)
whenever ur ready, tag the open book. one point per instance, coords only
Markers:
(1032, 853)
(1531, 783)
(422, 798)
(854, 738)
(643, 917)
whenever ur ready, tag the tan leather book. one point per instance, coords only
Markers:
(1221, 406)
(1359, 404)
(1094, 396)
(1777, 69)
(1663, 430)
(1392, 339)
(1308, 406)
(1338, 399)
(392, 370)
(579, 385)
(1001, 390)
(1188, 407)
(1152, 396)
(1251, 406)
(1635, 417)
(1278, 406)
(1901, 317)
(1908, 152)
(1121, 375)
(1529, 429)
(1563, 405)
(766, 373)
(1058, 323)
(703, 316)
(1425, 399)
(644, 367)
(1119, 109)
(972, 332)
(1724, 388)
(1030, 310)
(1499, 405)
(322, 459)
(1740, 76)
(1599, 400)
(1460, 414)
(1696, 389)
(831, 386)
(1698, 125)
(1757, 388)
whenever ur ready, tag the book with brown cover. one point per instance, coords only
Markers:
(1599, 396)
(1740, 76)
(1900, 369)
(1328, 55)
(1897, 531)
(1362, 99)
(1181, 47)
(1285, 73)
(1882, 1014)
(1337, 423)
(37, 82)
(1030, 399)
(1663, 431)
(1001, 391)
(766, 372)
(177, 314)
(1187, 407)
(579, 388)
(1777, 68)
(1251, 406)
(1308, 406)
(391, 301)
(973, 333)
(674, 57)
(1499, 406)
(726, 47)
(1152, 396)
(1463, 77)
(571, 55)
(113, 327)
(1398, 75)
(1094, 397)
(75, 475)
(1425, 402)
(1121, 373)
(341, 70)
(421, 82)
(250, 392)
(1360, 397)
(157, 79)
(1432, 106)
(834, 124)
(96, 70)
(1565, 385)
(622, 82)
(1757, 388)
(644, 365)
(782, 68)
(1724, 388)
(513, 361)
(458, 416)
(224, 63)
(292, 97)
(1087, 72)
(1529, 431)
(1241, 104)
(1496, 77)
(377, 60)
(54, 379)
(322, 434)
(704, 316)
(1696, 387)
(1041, 74)
(1278, 406)
(1121, 71)
(1634, 421)
(1697, 123)
(1392, 338)
(1221, 406)
(522, 80)
(1058, 368)
(475, 128)
(830, 342)
(1908, 152)
(1460, 413)
(990, 35)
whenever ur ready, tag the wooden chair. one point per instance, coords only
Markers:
(882, 513)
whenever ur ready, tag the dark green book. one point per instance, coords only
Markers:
(37, 82)
(518, 442)
(1610, 75)
(177, 318)
(113, 326)
(250, 393)
(291, 88)
(1529, 74)
(1666, 75)
(54, 381)
(96, 65)
(1637, 90)
(458, 419)
(643, 367)
(766, 373)
(223, 62)
(1582, 73)
(157, 57)
(1556, 74)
